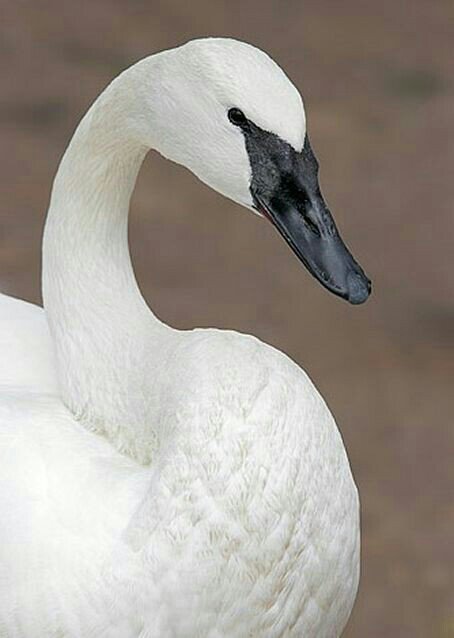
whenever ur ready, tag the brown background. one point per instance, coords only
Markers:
(378, 80)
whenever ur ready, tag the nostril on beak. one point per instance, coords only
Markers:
(359, 287)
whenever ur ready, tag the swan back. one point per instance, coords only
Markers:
(25, 347)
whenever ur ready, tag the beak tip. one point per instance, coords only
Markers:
(359, 288)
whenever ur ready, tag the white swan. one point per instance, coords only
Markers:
(174, 484)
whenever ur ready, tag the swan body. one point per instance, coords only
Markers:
(155, 482)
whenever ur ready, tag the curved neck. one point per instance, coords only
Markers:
(104, 333)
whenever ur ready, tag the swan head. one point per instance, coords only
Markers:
(226, 111)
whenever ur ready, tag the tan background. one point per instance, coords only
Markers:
(378, 80)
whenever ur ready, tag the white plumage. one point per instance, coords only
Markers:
(154, 482)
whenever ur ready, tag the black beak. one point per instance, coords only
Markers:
(295, 206)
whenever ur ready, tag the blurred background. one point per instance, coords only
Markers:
(378, 82)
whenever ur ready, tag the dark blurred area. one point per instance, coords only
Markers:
(378, 82)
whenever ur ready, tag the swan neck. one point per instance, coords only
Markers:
(100, 324)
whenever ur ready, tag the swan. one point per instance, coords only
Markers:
(166, 483)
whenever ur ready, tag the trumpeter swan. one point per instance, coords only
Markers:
(163, 483)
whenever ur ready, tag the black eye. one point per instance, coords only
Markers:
(237, 117)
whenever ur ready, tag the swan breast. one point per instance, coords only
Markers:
(255, 514)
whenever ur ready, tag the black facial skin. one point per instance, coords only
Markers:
(285, 189)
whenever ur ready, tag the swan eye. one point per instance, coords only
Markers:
(237, 117)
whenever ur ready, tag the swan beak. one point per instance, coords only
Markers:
(295, 206)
